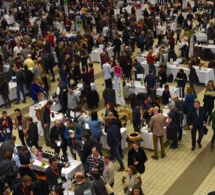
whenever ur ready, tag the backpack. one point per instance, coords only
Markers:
(179, 116)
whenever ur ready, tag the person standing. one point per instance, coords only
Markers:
(24, 187)
(193, 78)
(107, 72)
(36, 91)
(116, 44)
(72, 100)
(7, 146)
(137, 157)
(82, 186)
(136, 117)
(62, 94)
(113, 139)
(108, 172)
(53, 173)
(57, 138)
(20, 80)
(166, 97)
(181, 80)
(150, 84)
(6, 125)
(174, 125)
(33, 137)
(196, 119)
(4, 92)
(44, 82)
(21, 124)
(84, 57)
(45, 116)
(151, 62)
(213, 127)
(156, 125)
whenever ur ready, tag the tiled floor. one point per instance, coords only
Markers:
(162, 174)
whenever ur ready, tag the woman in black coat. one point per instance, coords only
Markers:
(209, 100)
(137, 157)
(181, 80)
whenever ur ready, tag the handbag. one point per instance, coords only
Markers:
(108, 188)
(205, 130)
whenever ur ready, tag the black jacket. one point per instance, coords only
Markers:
(196, 121)
(87, 149)
(165, 97)
(136, 117)
(45, 116)
(113, 136)
(55, 133)
(4, 88)
(193, 76)
(139, 156)
(32, 133)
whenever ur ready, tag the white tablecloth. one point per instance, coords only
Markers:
(9, 19)
(116, 11)
(148, 139)
(124, 144)
(14, 28)
(201, 37)
(6, 68)
(180, 45)
(95, 54)
(59, 25)
(211, 47)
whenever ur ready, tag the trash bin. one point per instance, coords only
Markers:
(133, 137)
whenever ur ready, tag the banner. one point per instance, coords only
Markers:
(118, 82)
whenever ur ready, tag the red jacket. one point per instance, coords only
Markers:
(150, 59)
(51, 38)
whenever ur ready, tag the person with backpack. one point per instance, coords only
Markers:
(174, 124)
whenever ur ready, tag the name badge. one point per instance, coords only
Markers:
(8, 130)
(59, 181)
(170, 99)
(160, 78)
(20, 127)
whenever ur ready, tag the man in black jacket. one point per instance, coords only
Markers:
(32, 133)
(136, 117)
(53, 173)
(114, 138)
(196, 119)
(45, 118)
(57, 138)
(193, 78)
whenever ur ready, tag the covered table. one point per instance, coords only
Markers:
(95, 54)
(59, 25)
(9, 18)
(211, 47)
(201, 37)
(148, 139)
(172, 25)
(124, 144)
(204, 75)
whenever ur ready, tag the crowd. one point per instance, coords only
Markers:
(34, 50)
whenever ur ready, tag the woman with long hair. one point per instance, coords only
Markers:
(137, 190)
(130, 178)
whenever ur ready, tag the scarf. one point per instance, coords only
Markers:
(48, 108)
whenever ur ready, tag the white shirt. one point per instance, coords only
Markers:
(17, 49)
(105, 31)
(107, 71)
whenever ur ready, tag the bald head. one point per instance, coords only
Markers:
(175, 98)
(57, 123)
(155, 110)
(79, 176)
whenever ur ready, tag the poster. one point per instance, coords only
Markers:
(119, 90)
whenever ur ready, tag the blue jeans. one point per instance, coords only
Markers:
(115, 151)
(18, 89)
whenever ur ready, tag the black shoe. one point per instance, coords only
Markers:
(179, 139)
(16, 103)
(24, 101)
(163, 155)
(193, 148)
(172, 147)
(154, 157)
(199, 144)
